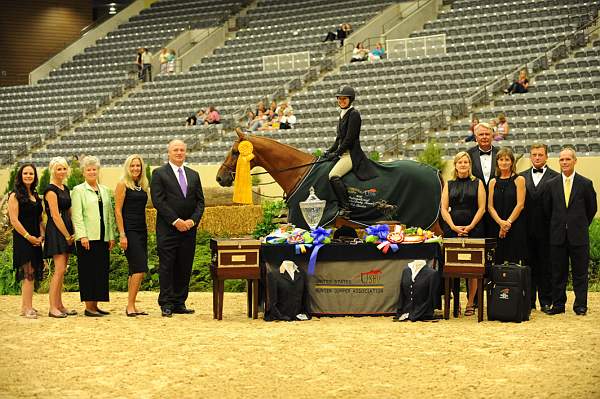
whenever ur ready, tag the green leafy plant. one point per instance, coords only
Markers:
(44, 180)
(149, 173)
(374, 156)
(271, 210)
(76, 176)
(432, 156)
(8, 285)
(11, 179)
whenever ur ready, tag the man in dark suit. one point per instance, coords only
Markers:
(483, 163)
(538, 229)
(570, 203)
(346, 150)
(177, 196)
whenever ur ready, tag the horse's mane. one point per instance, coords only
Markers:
(257, 137)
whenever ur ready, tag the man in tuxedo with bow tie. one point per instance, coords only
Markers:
(483, 163)
(177, 196)
(571, 205)
(538, 228)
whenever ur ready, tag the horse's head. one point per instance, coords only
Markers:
(226, 173)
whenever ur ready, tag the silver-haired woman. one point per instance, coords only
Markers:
(94, 222)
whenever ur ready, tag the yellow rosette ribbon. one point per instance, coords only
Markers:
(242, 189)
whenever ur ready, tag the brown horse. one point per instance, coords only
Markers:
(289, 167)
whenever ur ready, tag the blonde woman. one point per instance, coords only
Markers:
(463, 207)
(94, 222)
(131, 197)
(59, 233)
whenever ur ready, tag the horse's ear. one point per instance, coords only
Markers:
(240, 133)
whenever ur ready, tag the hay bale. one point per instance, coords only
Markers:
(221, 220)
(231, 220)
(218, 196)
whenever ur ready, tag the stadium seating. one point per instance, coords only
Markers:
(484, 40)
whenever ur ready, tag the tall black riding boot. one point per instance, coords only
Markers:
(341, 192)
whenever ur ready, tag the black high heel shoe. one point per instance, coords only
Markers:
(102, 312)
(130, 314)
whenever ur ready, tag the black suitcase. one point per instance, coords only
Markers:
(509, 293)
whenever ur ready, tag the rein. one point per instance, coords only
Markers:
(232, 170)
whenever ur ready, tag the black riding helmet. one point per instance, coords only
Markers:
(346, 91)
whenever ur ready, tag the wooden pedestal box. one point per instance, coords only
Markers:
(235, 259)
(468, 255)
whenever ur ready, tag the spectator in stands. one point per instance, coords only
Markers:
(94, 222)
(171, 58)
(494, 125)
(520, 85)
(259, 120)
(280, 111)
(138, 62)
(378, 53)
(192, 120)
(250, 119)
(341, 33)
(260, 108)
(288, 119)
(506, 201)
(25, 214)
(59, 233)
(359, 53)
(272, 109)
(212, 116)
(474, 122)
(502, 128)
(162, 58)
(146, 72)
(462, 209)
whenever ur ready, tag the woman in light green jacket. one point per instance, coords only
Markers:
(94, 223)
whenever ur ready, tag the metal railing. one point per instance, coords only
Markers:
(415, 133)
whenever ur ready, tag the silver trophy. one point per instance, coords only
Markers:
(312, 209)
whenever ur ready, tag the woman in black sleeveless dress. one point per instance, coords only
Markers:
(25, 213)
(506, 203)
(131, 196)
(59, 234)
(463, 207)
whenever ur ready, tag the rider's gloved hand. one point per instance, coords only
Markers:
(330, 156)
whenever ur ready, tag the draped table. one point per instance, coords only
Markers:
(352, 279)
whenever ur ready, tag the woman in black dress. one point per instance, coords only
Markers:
(94, 222)
(463, 207)
(59, 233)
(131, 196)
(25, 213)
(506, 201)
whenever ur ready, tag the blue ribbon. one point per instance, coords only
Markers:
(319, 235)
(380, 231)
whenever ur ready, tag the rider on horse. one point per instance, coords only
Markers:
(346, 150)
